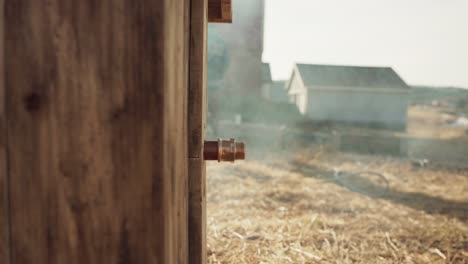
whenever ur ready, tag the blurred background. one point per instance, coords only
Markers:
(355, 116)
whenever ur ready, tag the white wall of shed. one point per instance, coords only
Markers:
(297, 92)
(358, 106)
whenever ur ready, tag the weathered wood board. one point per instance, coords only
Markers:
(4, 217)
(196, 123)
(96, 103)
(197, 212)
(219, 11)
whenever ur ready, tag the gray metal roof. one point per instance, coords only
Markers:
(278, 91)
(350, 76)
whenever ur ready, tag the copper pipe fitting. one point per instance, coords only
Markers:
(224, 150)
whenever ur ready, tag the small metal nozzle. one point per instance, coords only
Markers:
(224, 150)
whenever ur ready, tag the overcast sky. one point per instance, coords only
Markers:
(426, 41)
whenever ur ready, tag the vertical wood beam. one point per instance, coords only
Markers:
(97, 132)
(197, 212)
(197, 78)
(220, 11)
(196, 125)
(4, 211)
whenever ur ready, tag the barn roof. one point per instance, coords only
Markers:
(278, 91)
(266, 72)
(350, 76)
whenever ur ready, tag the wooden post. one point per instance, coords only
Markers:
(219, 11)
(4, 216)
(96, 118)
(196, 124)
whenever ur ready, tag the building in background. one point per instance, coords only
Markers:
(267, 81)
(273, 91)
(370, 96)
(243, 49)
(279, 92)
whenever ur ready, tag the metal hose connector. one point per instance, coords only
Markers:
(224, 150)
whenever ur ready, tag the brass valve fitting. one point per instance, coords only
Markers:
(224, 150)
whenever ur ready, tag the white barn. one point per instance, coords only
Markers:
(370, 96)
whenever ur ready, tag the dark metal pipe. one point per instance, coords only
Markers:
(211, 150)
(224, 150)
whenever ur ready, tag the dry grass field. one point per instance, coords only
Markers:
(312, 207)
(433, 122)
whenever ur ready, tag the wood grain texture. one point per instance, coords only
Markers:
(196, 128)
(219, 11)
(4, 215)
(96, 104)
(197, 212)
(198, 75)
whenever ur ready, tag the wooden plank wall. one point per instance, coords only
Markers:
(196, 123)
(97, 131)
(219, 11)
(4, 217)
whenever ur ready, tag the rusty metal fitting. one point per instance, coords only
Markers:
(224, 150)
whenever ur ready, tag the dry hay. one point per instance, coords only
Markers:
(432, 122)
(298, 212)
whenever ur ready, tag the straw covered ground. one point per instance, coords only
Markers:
(321, 207)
